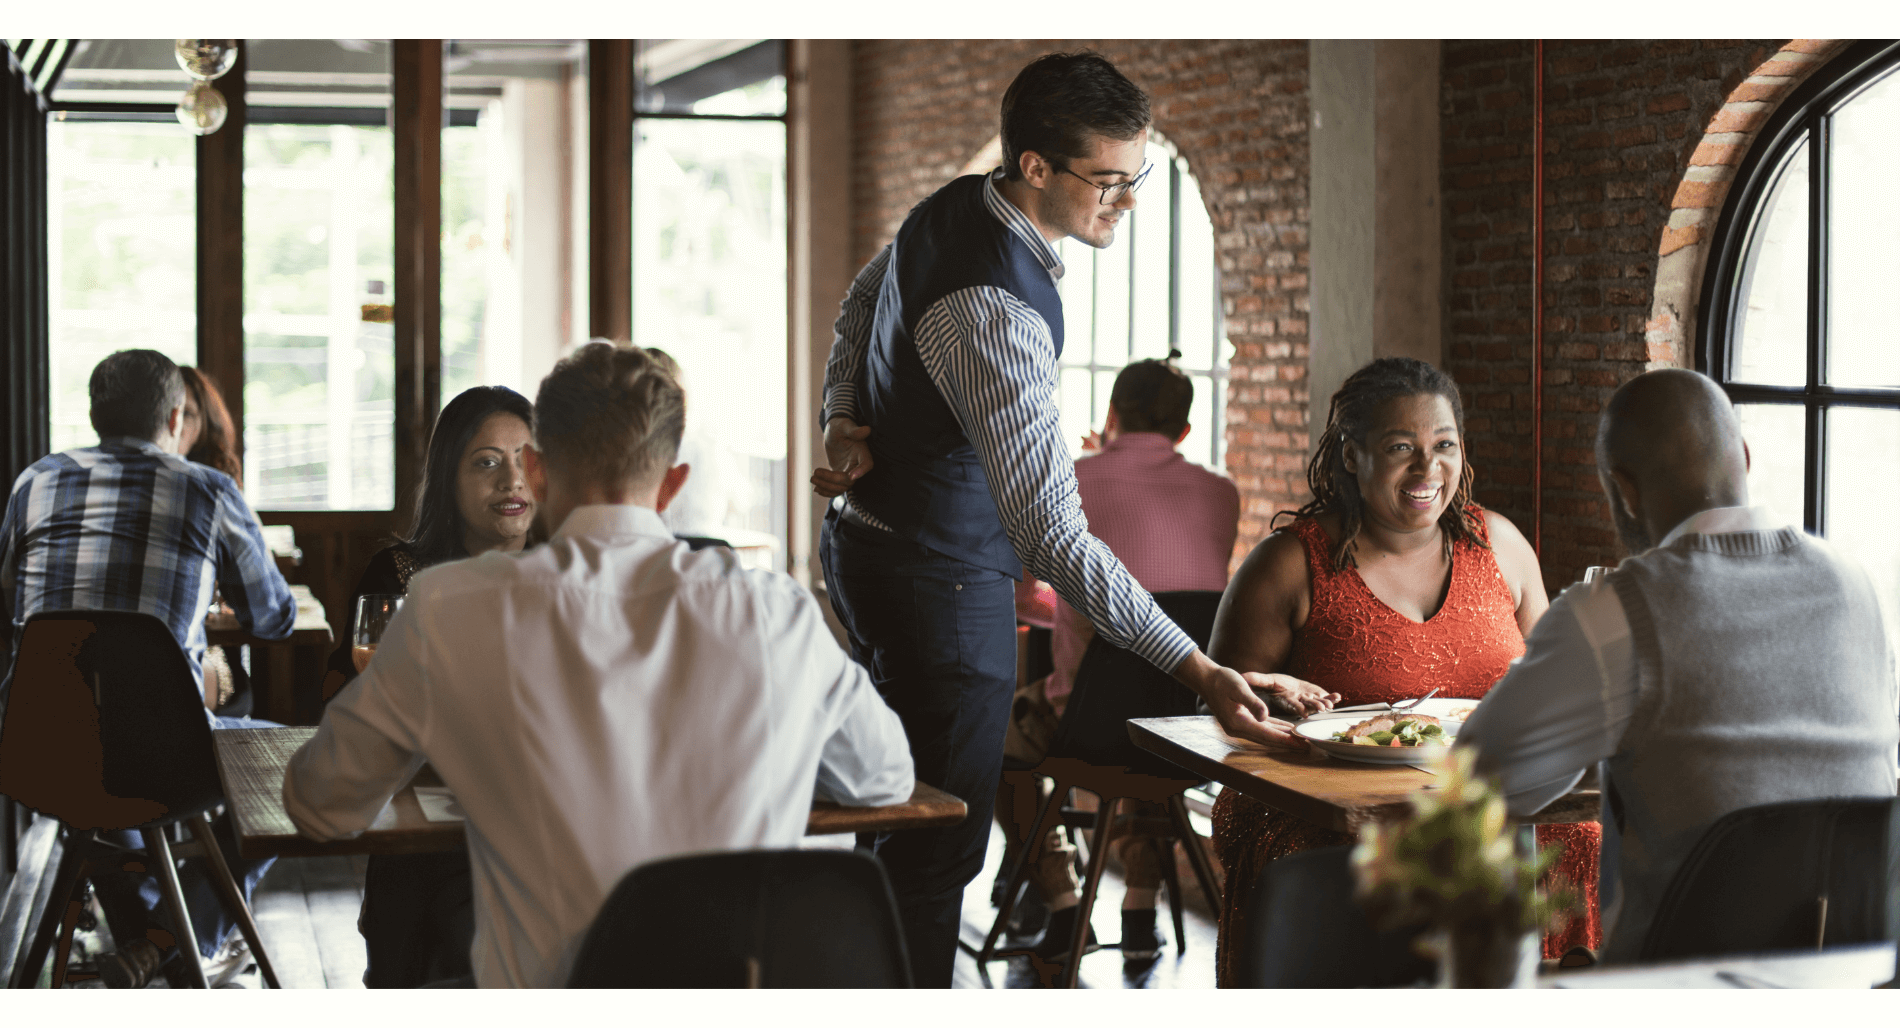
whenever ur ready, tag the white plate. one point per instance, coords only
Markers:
(1319, 731)
(1444, 710)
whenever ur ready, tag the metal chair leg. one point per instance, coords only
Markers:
(160, 851)
(1197, 857)
(72, 859)
(1164, 852)
(1098, 861)
(1016, 878)
(12, 814)
(232, 896)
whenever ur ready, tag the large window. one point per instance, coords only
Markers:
(1797, 327)
(709, 267)
(121, 254)
(319, 358)
(1154, 290)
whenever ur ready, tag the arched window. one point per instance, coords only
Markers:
(1157, 288)
(1798, 321)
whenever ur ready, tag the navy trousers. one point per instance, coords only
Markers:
(938, 637)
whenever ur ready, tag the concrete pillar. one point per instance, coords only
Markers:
(1376, 212)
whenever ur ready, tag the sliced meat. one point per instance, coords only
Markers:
(1384, 723)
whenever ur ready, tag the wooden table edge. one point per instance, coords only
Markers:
(1578, 806)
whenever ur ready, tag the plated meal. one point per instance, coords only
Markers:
(1384, 736)
(1394, 730)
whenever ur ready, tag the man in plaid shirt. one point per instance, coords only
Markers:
(130, 524)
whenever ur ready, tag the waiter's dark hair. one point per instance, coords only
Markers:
(132, 391)
(1153, 396)
(1348, 421)
(436, 533)
(1059, 100)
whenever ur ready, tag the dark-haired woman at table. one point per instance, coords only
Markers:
(418, 910)
(1389, 584)
(206, 436)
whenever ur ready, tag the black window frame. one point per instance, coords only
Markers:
(1805, 116)
(1218, 370)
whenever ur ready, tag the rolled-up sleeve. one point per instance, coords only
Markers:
(992, 357)
(851, 340)
(1562, 707)
(247, 573)
(368, 743)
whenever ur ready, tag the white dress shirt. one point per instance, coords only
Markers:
(605, 700)
(1564, 704)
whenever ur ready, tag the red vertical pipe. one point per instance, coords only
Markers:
(1537, 305)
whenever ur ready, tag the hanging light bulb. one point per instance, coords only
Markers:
(203, 108)
(205, 58)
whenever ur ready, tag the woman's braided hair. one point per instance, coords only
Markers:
(1348, 420)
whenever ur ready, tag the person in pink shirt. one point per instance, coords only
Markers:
(1172, 523)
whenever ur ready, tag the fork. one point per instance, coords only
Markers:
(1410, 704)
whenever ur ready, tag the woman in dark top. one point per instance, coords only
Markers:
(205, 436)
(418, 910)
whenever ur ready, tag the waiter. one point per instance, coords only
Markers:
(942, 433)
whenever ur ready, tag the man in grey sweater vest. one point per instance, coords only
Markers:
(1735, 662)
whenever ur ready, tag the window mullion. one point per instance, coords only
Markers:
(1174, 254)
(1814, 503)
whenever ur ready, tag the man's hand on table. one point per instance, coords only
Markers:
(1302, 699)
(848, 455)
(1240, 711)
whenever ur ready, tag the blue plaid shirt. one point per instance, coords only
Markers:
(126, 526)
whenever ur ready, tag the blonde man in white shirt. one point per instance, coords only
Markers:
(605, 700)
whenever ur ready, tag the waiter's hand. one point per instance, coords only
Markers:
(1241, 713)
(1303, 699)
(848, 455)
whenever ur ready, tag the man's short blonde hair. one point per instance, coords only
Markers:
(609, 416)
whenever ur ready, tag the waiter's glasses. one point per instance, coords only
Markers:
(1113, 194)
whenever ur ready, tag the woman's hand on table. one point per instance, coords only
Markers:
(1240, 711)
(1303, 699)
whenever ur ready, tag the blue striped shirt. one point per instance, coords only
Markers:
(126, 526)
(994, 360)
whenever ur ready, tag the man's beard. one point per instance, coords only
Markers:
(1633, 533)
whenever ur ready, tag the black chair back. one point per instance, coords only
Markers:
(774, 919)
(1305, 931)
(1755, 881)
(1113, 685)
(104, 726)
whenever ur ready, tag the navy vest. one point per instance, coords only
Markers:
(926, 482)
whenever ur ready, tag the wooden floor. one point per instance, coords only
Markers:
(1102, 969)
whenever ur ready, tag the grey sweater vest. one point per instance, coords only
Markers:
(1765, 677)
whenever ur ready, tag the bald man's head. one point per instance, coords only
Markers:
(1668, 447)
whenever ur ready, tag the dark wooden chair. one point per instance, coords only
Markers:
(105, 730)
(770, 919)
(1802, 875)
(1305, 931)
(1092, 752)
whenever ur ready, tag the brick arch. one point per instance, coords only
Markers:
(1697, 204)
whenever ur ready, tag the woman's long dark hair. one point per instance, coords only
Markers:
(436, 535)
(1348, 419)
(217, 441)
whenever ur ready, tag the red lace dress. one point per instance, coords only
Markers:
(1355, 645)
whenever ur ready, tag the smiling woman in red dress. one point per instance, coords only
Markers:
(1389, 584)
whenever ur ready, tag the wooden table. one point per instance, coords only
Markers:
(275, 661)
(1838, 967)
(1332, 793)
(251, 763)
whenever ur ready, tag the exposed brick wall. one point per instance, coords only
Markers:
(1236, 109)
(1622, 120)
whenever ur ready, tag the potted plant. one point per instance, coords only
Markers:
(1453, 865)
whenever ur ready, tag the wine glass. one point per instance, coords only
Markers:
(373, 611)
